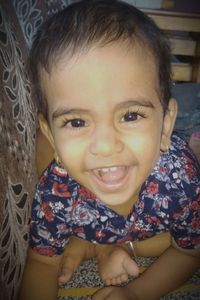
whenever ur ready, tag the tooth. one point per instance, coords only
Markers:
(105, 170)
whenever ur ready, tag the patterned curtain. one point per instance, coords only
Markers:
(19, 20)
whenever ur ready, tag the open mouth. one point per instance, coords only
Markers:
(111, 177)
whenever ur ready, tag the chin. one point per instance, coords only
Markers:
(116, 200)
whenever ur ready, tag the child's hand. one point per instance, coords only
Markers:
(115, 264)
(115, 293)
(68, 267)
(75, 252)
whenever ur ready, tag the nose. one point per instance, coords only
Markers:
(105, 141)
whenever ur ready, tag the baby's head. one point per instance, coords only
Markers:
(102, 70)
(88, 24)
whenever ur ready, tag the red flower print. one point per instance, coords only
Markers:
(183, 243)
(78, 230)
(82, 215)
(47, 212)
(196, 224)
(163, 170)
(43, 179)
(195, 205)
(152, 220)
(75, 204)
(189, 167)
(152, 188)
(84, 193)
(196, 241)
(99, 234)
(187, 159)
(60, 172)
(190, 170)
(60, 189)
(176, 215)
(46, 251)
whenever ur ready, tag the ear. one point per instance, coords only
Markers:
(168, 124)
(44, 126)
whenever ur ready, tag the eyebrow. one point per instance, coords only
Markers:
(131, 102)
(65, 111)
(135, 102)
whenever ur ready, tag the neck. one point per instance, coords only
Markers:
(125, 208)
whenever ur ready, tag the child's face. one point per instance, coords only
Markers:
(106, 120)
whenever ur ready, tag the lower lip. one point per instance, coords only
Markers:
(115, 186)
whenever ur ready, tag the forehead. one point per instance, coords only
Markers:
(102, 72)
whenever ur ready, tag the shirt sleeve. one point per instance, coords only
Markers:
(185, 218)
(186, 225)
(49, 229)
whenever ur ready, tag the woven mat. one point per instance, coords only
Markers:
(86, 282)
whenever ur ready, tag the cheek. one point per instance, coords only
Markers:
(71, 152)
(144, 146)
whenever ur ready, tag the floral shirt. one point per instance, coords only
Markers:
(169, 200)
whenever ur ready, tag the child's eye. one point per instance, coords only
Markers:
(75, 123)
(131, 116)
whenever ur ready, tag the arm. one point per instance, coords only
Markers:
(42, 274)
(40, 278)
(75, 252)
(168, 272)
(115, 264)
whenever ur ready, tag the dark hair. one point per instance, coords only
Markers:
(96, 22)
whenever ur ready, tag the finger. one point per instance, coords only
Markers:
(68, 266)
(65, 275)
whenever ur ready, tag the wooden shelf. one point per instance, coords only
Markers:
(186, 44)
(169, 20)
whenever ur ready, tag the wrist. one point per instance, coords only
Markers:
(103, 250)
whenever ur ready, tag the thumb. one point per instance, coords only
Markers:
(68, 266)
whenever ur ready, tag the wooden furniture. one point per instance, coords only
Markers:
(184, 34)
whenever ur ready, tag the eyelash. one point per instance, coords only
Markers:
(68, 122)
(139, 112)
